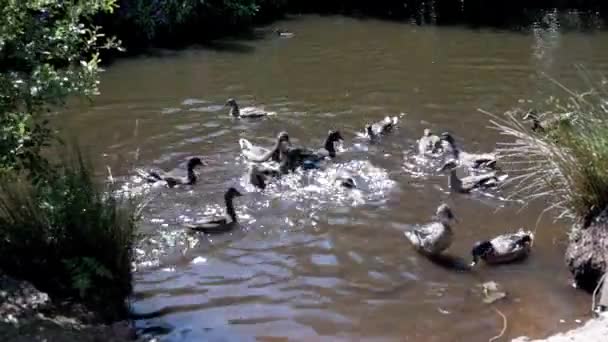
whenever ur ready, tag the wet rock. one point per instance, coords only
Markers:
(492, 292)
(27, 314)
(587, 252)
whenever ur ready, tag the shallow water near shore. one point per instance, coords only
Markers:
(312, 261)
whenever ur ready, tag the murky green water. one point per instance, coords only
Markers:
(315, 264)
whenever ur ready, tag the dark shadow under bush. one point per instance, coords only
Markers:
(69, 236)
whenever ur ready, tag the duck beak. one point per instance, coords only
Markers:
(473, 263)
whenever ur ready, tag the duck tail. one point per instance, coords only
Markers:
(148, 176)
(245, 144)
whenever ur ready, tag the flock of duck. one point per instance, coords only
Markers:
(266, 164)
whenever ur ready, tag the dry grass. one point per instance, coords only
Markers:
(567, 166)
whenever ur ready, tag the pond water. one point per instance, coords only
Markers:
(311, 261)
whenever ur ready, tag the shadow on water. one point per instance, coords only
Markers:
(450, 262)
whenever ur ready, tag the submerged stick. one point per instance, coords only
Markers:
(504, 326)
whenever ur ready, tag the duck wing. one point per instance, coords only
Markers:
(385, 125)
(211, 225)
(255, 153)
(476, 181)
(150, 176)
(172, 178)
(253, 112)
(432, 238)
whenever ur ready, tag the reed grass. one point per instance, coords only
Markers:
(566, 165)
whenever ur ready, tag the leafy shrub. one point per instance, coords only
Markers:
(68, 236)
(48, 52)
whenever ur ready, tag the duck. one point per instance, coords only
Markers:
(429, 143)
(294, 157)
(542, 126)
(258, 175)
(435, 237)
(283, 34)
(218, 225)
(260, 154)
(462, 158)
(246, 112)
(467, 184)
(329, 149)
(504, 248)
(175, 177)
(380, 128)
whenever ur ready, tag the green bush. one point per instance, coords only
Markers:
(48, 52)
(566, 164)
(69, 236)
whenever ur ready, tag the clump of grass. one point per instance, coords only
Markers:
(68, 235)
(567, 164)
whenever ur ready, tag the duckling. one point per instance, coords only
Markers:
(283, 34)
(429, 143)
(504, 248)
(218, 225)
(247, 112)
(385, 126)
(174, 177)
(260, 154)
(467, 184)
(469, 160)
(258, 174)
(435, 237)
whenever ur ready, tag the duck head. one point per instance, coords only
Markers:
(447, 136)
(283, 136)
(194, 162)
(234, 107)
(480, 250)
(231, 103)
(427, 132)
(369, 131)
(334, 136)
(445, 214)
(232, 193)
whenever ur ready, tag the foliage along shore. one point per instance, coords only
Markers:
(173, 23)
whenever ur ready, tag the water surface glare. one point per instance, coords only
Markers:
(312, 261)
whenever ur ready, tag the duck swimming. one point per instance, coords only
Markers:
(292, 158)
(435, 237)
(385, 126)
(329, 149)
(218, 225)
(175, 177)
(429, 143)
(469, 160)
(467, 184)
(283, 34)
(246, 112)
(542, 126)
(260, 154)
(504, 248)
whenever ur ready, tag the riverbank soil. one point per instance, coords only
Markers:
(587, 252)
(27, 314)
